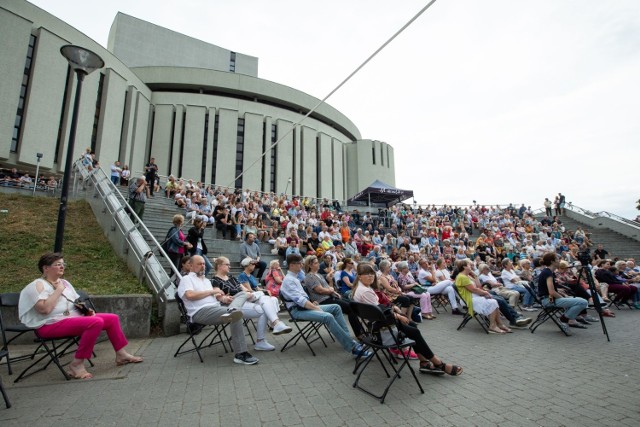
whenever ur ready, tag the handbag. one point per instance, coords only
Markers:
(418, 289)
(81, 306)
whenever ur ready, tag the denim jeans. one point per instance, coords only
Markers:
(527, 298)
(330, 315)
(572, 305)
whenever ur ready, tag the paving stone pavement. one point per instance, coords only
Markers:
(520, 379)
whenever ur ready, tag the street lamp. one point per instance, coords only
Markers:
(287, 187)
(35, 184)
(83, 62)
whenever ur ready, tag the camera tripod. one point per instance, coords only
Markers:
(585, 271)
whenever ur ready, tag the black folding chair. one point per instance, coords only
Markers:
(52, 348)
(10, 300)
(439, 301)
(216, 334)
(309, 332)
(374, 320)
(482, 320)
(3, 354)
(548, 312)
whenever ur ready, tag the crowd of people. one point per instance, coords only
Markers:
(13, 178)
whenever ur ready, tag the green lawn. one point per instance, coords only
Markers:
(28, 231)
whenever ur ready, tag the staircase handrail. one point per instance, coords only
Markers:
(160, 281)
(604, 214)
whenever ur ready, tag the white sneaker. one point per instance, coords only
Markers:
(231, 316)
(263, 346)
(281, 328)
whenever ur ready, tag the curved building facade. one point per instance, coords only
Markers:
(200, 110)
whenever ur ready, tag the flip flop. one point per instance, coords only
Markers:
(132, 359)
(500, 332)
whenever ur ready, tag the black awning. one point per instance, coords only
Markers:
(379, 193)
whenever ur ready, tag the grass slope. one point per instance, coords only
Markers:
(28, 231)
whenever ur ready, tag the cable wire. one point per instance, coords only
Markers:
(323, 100)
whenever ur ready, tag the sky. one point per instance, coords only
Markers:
(498, 101)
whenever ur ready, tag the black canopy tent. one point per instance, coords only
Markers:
(379, 194)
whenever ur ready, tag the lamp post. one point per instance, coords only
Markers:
(287, 187)
(35, 184)
(83, 62)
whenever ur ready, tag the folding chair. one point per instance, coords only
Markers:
(54, 348)
(309, 332)
(4, 353)
(10, 300)
(482, 320)
(216, 335)
(551, 311)
(439, 301)
(375, 321)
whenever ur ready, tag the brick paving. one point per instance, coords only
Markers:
(521, 379)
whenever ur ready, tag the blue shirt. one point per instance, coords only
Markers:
(244, 278)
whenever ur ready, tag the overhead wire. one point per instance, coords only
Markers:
(323, 100)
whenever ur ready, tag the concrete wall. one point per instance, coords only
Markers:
(129, 40)
(13, 51)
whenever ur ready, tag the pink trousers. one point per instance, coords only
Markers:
(88, 328)
(425, 301)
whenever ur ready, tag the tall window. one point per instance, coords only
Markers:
(203, 176)
(373, 154)
(274, 159)
(381, 155)
(216, 121)
(232, 62)
(96, 116)
(184, 125)
(239, 152)
(24, 88)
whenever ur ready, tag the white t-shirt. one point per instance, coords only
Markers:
(192, 282)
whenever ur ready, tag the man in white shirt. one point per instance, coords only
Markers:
(204, 305)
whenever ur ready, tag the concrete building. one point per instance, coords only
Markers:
(200, 110)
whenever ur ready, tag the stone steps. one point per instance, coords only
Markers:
(616, 244)
(158, 217)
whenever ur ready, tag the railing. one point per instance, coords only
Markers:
(145, 259)
(603, 214)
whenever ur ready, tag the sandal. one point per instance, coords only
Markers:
(454, 371)
(131, 359)
(506, 329)
(496, 331)
(429, 368)
(428, 316)
(84, 375)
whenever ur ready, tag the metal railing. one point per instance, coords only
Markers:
(146, 260)
(602, 214)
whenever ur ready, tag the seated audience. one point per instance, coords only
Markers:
(302, 308)
(477, 299)
(363, 292)
(257, 305)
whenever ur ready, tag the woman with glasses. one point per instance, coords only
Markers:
(364, 288)
(322, 292)
(46, 304)
(258, 305)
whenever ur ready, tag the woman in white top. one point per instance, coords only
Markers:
(47, 304)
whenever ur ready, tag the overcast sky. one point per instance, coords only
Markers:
(497, 101)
